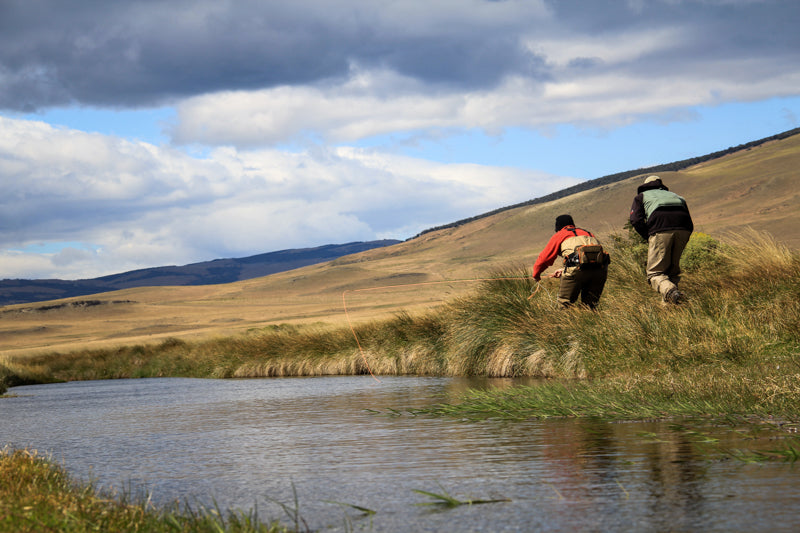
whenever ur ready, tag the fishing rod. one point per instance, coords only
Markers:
(556, 274)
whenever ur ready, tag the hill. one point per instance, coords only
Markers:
(214, 272)
(619, 176)
(752, 187)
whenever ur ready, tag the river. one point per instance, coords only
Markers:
(257, 443)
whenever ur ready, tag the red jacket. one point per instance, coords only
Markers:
(553, 249)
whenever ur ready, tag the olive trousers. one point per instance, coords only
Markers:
(664, 259)
(586, 283)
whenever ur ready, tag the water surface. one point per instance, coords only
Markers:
(251, 443)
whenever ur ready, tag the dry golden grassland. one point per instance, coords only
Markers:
(755, 188)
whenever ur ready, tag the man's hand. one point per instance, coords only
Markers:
(557, 273)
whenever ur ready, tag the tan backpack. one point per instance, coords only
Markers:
(588, 256)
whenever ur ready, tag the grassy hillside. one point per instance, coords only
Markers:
(756, 187)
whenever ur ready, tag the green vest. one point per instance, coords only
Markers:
(655, 198)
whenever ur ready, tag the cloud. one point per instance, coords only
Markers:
(145, 53)
(648, 61)
(594, 98)
(129, 54)
(135, 205)
(251, 74)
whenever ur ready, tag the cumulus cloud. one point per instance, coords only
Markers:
(136, 205)
(600, 98)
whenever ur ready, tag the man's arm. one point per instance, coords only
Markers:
(637, 217)
(547, 256)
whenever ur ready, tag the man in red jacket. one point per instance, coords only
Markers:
(580, 276)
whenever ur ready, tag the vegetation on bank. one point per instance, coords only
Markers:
(37, 495)
(732, 348)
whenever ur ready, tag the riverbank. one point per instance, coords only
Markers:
(732, 349)
(38, 495)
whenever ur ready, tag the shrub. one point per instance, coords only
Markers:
(701, 252)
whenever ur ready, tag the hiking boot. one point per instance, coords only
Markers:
(673, 296)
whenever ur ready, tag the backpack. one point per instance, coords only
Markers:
(588, 256)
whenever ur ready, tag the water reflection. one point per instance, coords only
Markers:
(251, 442)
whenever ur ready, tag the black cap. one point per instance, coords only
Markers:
(563, 220)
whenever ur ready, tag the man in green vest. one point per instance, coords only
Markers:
(662, 218)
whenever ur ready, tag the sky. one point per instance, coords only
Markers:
(166, 132)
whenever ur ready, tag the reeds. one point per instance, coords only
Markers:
(444, 499)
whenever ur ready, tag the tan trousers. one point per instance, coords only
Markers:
(664, 259)
(588, 284)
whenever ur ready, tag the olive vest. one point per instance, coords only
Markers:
(655, 198)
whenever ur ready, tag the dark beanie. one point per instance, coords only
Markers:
(563, 220)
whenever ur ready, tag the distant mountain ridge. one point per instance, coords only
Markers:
(19, 291)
